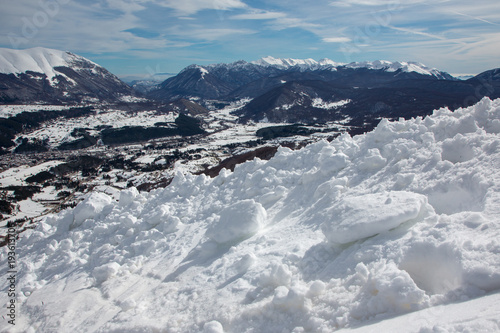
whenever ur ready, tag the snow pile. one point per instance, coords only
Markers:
(336, 235)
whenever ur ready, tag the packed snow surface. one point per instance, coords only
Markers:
(396, 229)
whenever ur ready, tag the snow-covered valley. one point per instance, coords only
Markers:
(393, 230)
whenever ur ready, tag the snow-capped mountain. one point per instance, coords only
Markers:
(389, 66)
(46, 75)
(402, 66)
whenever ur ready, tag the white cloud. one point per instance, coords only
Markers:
(336, 40)
(416, 32)
(293, 22)
(125, 6)
(259, 15)
(349, 3)
(80, 28)
(204, 34)
(189, 7)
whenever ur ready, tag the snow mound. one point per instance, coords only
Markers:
(401, 222)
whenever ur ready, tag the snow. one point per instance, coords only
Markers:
(203, 72)
(59, 130)
(7, 111)
(393, 230)
(320, 104)
(18, 175)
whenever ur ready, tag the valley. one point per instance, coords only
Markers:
(145, 164)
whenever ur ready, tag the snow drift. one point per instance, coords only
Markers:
(398, 221)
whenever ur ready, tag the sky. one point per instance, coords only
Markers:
(147, 37)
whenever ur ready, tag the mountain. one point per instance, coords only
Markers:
(143, 85)
(487, 83)
(193, 81)
(364, 98)
(41, 75)
(250, 79)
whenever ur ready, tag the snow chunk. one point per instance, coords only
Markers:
(213, 327)
(105, 272)
(457, 150)
(386, 289)
(128, 196)
(373, 161)
(238, 221)
(90, 208)
(359, 217)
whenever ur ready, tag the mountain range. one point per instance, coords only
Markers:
(277, 90)
(250, 79)
(309, 91)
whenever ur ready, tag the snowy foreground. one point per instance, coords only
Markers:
(393, 231)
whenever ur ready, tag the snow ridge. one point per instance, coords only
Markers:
(335, 235)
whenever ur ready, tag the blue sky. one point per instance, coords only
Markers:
(143, 37)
